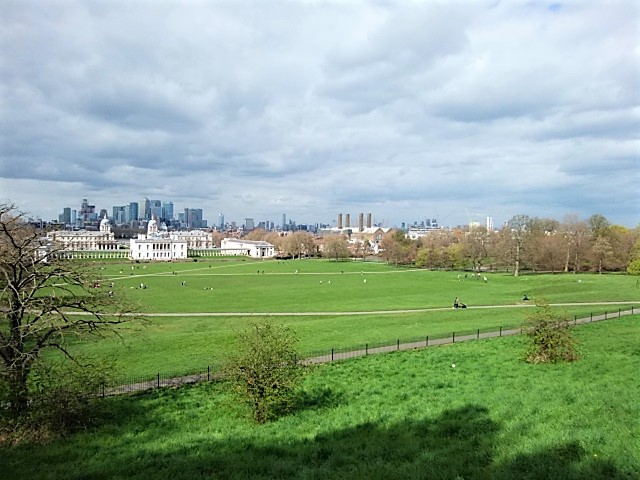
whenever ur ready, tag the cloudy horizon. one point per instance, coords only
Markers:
(405, 109)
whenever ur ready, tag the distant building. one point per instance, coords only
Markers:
(86, 244)
(250, 248)
(157, 245)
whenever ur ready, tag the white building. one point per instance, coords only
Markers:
(84, 240)
(157, 246)
(251, 248)
(196, 239)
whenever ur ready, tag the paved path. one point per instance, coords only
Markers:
(163, 381)
(367, 312)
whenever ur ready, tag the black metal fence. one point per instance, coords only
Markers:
(210, 373)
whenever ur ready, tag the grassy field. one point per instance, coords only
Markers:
(180, 343)
(400, 415)
(327, 286)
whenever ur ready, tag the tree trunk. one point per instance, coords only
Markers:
(19, 396)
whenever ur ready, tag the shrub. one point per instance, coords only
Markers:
(266, 369)
(551, 338)
(63, 397)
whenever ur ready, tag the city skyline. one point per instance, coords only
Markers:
(163, 210)
(409, 110)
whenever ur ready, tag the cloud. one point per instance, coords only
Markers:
(311, 108)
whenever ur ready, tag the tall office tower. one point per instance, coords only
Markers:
(193, 218)
(284, 220)
(157, 212)
(120, 214)
(66, 215)
(87, 212)
(489, 224)
(74, 217)
(153, 209)
(248, 224)
(146, 210)
(167, 208)
(360, 222)
(133, 212)
(347, 220)
(368, 220)
(339, 221)
(221, 221)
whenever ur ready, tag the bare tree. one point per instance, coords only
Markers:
(397, 248)
(335, 246)
(44, 300)
(298, 243)
(513, 241)
(575, 232)
(601, 252)
(257, 234)
(477, 247)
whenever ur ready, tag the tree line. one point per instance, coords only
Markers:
(524, 243)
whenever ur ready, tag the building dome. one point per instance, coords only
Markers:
(152, 227)
(105, 226)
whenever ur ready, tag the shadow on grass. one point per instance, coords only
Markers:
(318, 397)
(459, 444)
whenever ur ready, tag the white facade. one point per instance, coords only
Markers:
(84, 240)
(157, 246)
(251, 248)
(196, 239)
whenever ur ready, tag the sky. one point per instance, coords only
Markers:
(407, 110)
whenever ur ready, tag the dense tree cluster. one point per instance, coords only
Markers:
(524, 243)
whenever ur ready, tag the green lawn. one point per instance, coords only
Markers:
(400, 415)
(179, 344)
(327, 286)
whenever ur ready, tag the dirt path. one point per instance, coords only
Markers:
(368, 312)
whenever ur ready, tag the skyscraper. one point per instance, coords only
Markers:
(133, 212)
(167, 208)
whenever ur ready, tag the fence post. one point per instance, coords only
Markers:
(619, 312)
(208, 373)
(366, 349)
(500, 330)
(332, 354)
(398, 344)
(426, 342)
(478, 335)
(158, 380)
(453, 337)
(591, 317)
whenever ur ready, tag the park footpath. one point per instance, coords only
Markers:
(160, 380)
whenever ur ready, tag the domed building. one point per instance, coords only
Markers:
(84, 243)
(157, 245)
